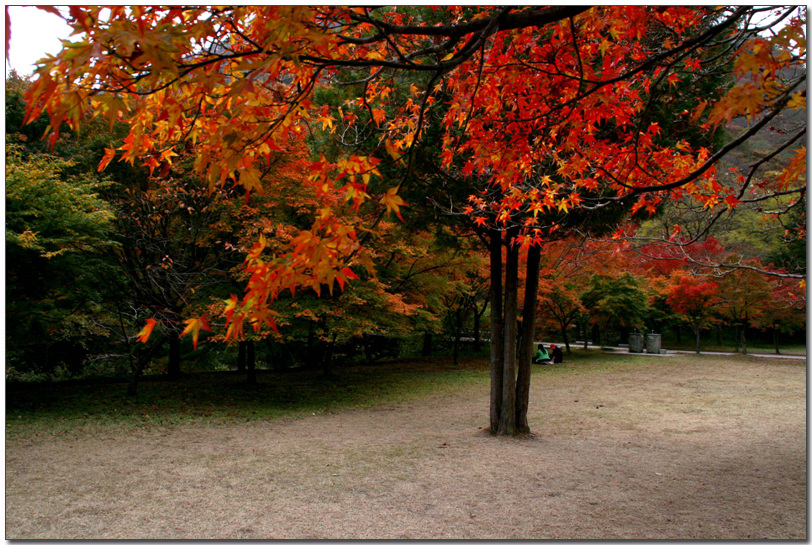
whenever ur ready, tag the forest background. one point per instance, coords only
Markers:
(102, 254)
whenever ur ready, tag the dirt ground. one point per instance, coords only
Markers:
(685, 448)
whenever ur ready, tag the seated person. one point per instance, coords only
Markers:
(556, 354)
(542, 356)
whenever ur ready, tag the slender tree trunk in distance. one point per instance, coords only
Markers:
(497, 323)
(565, 338)
(718, 334)
(531, 289)
(678, 331)
(250, 361)
(142, 361)
(312, 349)
(457, 325)
(775, 338)
(507, 415)
(328, 356)
(696, 332)
(173, 367)
(427, 339)
(737, 337)
(477, 326)
(241, 357)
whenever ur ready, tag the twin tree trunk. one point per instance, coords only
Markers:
(510, 361)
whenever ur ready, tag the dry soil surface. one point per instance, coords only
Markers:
(685, 448)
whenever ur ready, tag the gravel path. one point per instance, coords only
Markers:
(686, 448)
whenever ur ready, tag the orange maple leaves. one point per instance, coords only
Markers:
(193, 326)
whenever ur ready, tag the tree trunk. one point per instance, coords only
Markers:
(531, 290)
(775, 338)
(507, 414)
(327, 364)
(497, 326)
(456, 320)
(678, 331)
(132, 387)
(241, 357)
(718, 334)
(173, 368)
(565, 338)
(427, 340)
(142, 362)
(744, 339)
(251, 377)
(312, 357)
(477, 326)
(696, 332)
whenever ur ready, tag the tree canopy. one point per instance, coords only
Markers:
(563, 93)
(550, 120)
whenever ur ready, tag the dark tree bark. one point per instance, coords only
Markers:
(173, 367)
(566, 339)
(250, 361)
(775, 338)
(427, 342)
(327, 361)
(313, 349)
(456, 349)
(497, 324)
(507, 414)
(241, 357)
(527, 336)
(141, 362)
(478, 326)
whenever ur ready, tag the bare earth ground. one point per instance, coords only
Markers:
(685, 448)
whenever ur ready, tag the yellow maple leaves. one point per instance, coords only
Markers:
(194, 326)
(393, 202)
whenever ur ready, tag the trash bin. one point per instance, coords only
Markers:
(636, 342)
(653, 343)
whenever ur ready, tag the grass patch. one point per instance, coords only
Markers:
(221, 398)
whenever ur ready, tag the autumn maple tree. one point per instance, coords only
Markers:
(784, 310)
(694, 299)
(546, 110)
(744, 293)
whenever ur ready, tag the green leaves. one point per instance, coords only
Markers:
(51, 215)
